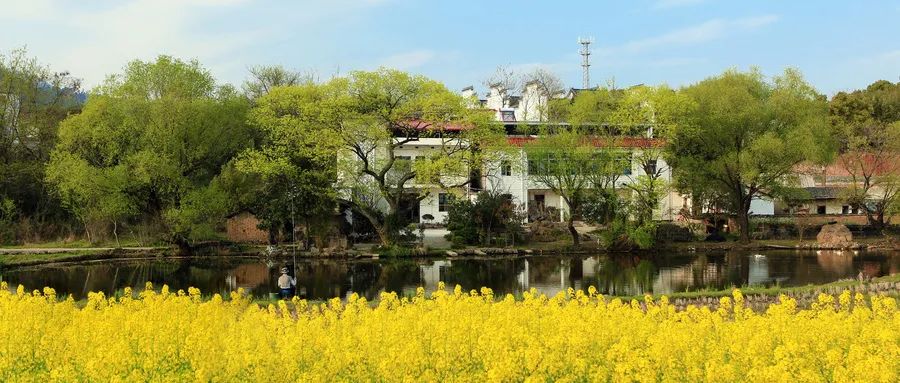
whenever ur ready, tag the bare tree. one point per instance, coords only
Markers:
(507, 80)
(264, 78)
(538, 87)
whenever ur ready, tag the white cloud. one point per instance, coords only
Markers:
(668, 4)
(756, 22)
(707, 31)
(100, 38)
(409, 60)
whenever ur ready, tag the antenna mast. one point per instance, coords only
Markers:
(585, 52)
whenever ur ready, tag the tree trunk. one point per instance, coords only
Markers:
(744, 223)
(877, 220)
(116, 233)
(382, 235)
(576, 239)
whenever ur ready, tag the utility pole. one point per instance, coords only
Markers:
(585, 52)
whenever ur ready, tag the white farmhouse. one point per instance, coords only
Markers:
(518, 113)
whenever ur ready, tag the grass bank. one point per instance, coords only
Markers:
(774, 291)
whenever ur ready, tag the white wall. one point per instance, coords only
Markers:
(762, 206)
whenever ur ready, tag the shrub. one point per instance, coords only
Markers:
(7, 221)
(489, 217)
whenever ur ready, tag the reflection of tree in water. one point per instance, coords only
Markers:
(329, 278)
(835, 262)
(398, 275)
(501, 275)
(623, 275)
(369, 279)
(333, 278)
(322, 279)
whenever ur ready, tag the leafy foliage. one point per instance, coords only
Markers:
(867, 127)
(481, 220)
(289, 177)
(33, 100)
(748, 137)
(148, 143)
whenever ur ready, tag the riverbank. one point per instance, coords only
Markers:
(41, 255)
(760, 297)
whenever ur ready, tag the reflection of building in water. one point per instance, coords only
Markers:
(523, 278)
(758, 273)
(247, 276)
(588, 265)
(836, 262)
(546, 275)
(434, 273)
(697, 274)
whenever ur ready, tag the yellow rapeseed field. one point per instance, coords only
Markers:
(445, 336)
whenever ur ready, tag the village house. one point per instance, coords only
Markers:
(522, 114)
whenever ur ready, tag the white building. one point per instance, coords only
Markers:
(511, 177)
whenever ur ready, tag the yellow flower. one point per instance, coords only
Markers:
(444, 336)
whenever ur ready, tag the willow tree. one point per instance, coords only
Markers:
(289, 176)
(375, 114)
(748, 137)
(155, 137)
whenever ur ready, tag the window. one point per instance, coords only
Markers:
(444, 200)
(820, 209)
(651, 167)
(507, 115)
(505, 168)
(539, 200)
(845, 209)
(855, 210)
(624, 161)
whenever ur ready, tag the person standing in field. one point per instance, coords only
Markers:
(286, 283)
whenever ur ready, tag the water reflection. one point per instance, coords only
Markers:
(321, 279)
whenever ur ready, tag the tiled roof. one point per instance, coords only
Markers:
(824, 192)
(620, 142)
(424, 125)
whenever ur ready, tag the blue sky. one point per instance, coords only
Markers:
(838, 45)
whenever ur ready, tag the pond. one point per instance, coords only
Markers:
(328, 278)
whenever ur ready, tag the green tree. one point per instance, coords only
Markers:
(655, 113)
(867, 127)
(748, 137)
(592, 107)
(33, 100)
(162, 130)
(564, 162)
(377, 113)
(478, 221)
(293, 171)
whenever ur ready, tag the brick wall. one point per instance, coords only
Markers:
(243, 228)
